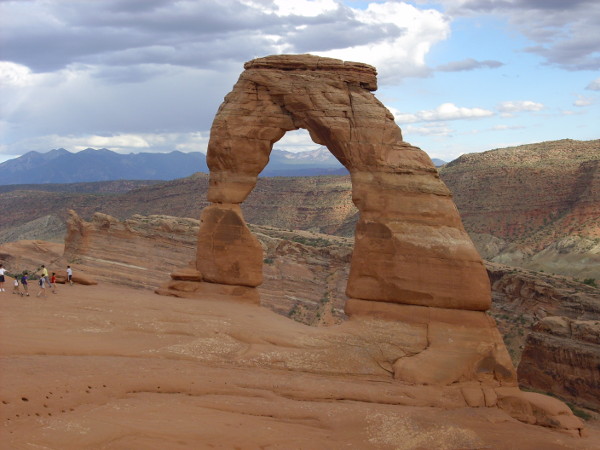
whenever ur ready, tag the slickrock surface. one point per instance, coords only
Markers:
(305, 276)
(140, 251)
(410, 245)
(112, 367)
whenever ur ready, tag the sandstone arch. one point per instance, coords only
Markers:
(410, 245)
(413, 262)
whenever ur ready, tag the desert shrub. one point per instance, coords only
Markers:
(268, 260)
(295, 310)
(311, 242)
(579, 412)
(590, 282)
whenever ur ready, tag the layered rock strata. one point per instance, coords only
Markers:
(138, 252)
(561, 356)
(535, 206)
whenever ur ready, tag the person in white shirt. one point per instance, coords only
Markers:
(70, 275)
(2, 279)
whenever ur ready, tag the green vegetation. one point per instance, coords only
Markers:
(590, 282)
(311, 242)
(576, 410)
(268, 260)
(579, 412)
(294, 311)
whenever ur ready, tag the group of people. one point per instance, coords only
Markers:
(44, 281)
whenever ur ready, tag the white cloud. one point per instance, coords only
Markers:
(446, 111)
(565, 32)
(568, 112)
(296, 141)
(594, 85)
(469, 64)
(520, 105)
(430, 129)
(583, 101)
(306, 8)
(120, 143)
(507, 127)
(15, 75)
(399, 56)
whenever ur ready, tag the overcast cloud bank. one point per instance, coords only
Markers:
(149, 75)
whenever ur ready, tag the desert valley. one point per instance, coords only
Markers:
(185, 328)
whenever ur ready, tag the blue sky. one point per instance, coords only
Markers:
(460, 76)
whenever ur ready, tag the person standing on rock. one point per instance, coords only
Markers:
(42, 285)
(70, 275)
(2, 272)
(16, 289)
(53, 282)
(24, 279)
(44, 275)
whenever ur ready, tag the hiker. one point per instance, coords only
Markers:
(42, 284)
(2, 272)
(45, 274)
(53, 282)
(16, 289)
(24, 279)
(70, 275)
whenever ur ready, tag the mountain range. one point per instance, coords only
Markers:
(90, 165)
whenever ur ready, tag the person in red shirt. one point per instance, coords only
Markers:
(53, 282)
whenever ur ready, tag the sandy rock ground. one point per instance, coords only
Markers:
(112, 367)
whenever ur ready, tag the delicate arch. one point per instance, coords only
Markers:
(410, 245)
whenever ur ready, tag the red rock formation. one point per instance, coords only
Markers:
(413, 262)
(410, 245)
(138, 252)
(561, 356)
(537, 206)
(455, 354)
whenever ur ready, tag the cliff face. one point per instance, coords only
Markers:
(304, 273)
(562, 356)
(534, 206)
(551, 326)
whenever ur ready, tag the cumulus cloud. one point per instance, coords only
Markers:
(396, 54)
(565, 32)
(469, 64)
(446, 111)
(429, 129)
(594, 85)
(296, 141)
(520, 105)
(502, 127)
(583, 101)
